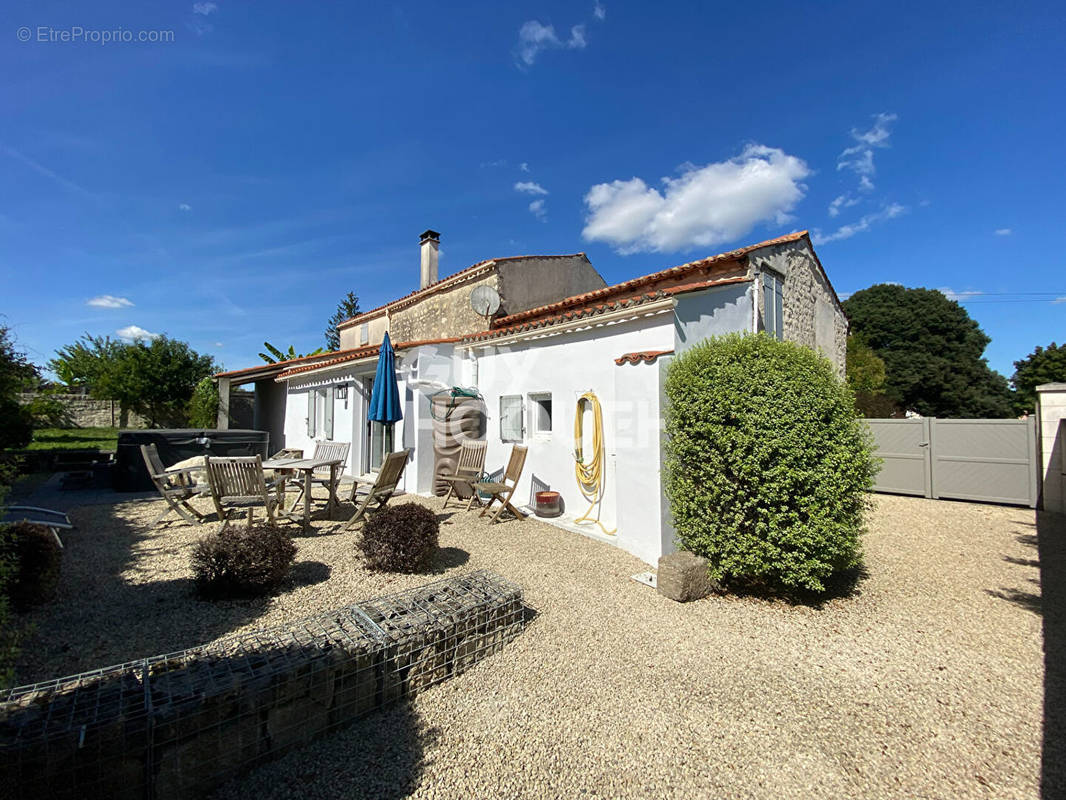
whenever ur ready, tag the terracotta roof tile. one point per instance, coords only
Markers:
(359, 353)
(645, 356)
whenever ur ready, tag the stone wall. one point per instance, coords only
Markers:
(85, 412)
(441, 315)
(176, 726)
(812, 316)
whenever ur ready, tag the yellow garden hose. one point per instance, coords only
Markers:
(591, 474)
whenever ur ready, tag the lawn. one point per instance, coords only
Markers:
(74, 439)
(926, 682)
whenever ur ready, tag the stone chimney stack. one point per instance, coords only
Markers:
(429, 242)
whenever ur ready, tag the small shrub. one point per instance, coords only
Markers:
(32, 557)
(241, 560)
(400, 538)
(767, 465)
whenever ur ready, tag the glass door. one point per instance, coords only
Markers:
(378, 435)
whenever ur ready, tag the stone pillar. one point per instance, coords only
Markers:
(223, 404)
(1051, 428)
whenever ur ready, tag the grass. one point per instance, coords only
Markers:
(74, 439)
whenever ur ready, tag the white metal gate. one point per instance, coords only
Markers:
(991, 460)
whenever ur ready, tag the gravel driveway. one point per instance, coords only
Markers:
(928, 682)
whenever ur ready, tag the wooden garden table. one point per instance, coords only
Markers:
(306, 467)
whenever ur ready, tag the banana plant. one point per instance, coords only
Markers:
(274, 356)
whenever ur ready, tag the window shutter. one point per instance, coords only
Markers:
(511, 419)
(779, 315)
(311, 413)
(327, 421)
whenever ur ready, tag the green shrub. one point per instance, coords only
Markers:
(767, 466)
(34, 556)
(242, 560)
(400, 538)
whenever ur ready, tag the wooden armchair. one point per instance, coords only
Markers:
(469, 470)
(502, 491)
(323, 450)
(383, 488)
(237, 482)
(175, 487)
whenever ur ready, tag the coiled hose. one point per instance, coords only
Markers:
(591, 474)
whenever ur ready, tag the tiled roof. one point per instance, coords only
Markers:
(278, 364)
(359, 353)
(634, 285)
(592, 309)
(444, 283)
(645, 356)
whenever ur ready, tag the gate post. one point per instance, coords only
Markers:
(1051, 413)
(928, 435)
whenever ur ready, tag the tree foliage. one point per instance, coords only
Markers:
(932, 350)
(154, 378)
(16, 375)
(346, 309)
(1040, 366)
(204, 404)
(767, 466)
(865, 372)
(274, 355)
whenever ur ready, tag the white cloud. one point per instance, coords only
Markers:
(859, 158)
(539, 209)
(132, 333)
(958, 297)
(498, 163)
(184, 207)
(206, 9)
(599, 12)
(1003, 231)
(1059, 300)
(523, 167)
(535, 36)
(843, 201)
(703, 206)
(530, 187)
(109, 301)
(218, 344)
(847, 231)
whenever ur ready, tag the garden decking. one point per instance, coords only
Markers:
(928, 681)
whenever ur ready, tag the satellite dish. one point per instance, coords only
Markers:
(485, 301)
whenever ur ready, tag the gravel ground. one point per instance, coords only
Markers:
(927, 682)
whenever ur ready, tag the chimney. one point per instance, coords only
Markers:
(429, 242)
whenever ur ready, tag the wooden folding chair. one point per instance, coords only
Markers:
(237, 482)
(323, 450)
(468, 472)
(383, 488)
(176, 488)
(503, 491)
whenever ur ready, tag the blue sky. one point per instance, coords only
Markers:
(230, 183)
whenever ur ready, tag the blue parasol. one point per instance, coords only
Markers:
(385, 399)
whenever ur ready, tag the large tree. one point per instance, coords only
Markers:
(16, 374)
(346, 309)
(154, 378)
(866, 378)
(932, 351)
(1040, 366)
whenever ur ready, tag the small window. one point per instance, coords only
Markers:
(511, 427)
(364, 333)
(540, 413)
(773, 305)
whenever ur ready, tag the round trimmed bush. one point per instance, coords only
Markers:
(241, 560)
(400, 538)
(34, 557)
(767, 466)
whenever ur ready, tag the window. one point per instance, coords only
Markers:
(320, 412)
(773, 313)
(364, 333)
(511, 427)
(540, 413)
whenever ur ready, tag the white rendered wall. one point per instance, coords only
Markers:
(567, 365)
(1051, 411)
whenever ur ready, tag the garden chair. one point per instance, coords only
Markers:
(502, 491)
(323, 450)
(383, 488)
(237, 482)
(175, 487)
(469, 470)
(55, 521)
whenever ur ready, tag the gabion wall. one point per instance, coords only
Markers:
(177, 725)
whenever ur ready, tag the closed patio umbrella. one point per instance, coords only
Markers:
(385, 399)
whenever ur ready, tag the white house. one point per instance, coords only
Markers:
(557, 331)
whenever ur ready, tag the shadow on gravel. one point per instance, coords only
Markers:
(1051, 542)
(308, 573)
(447, 558)
(842, 586)
(379, 756)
